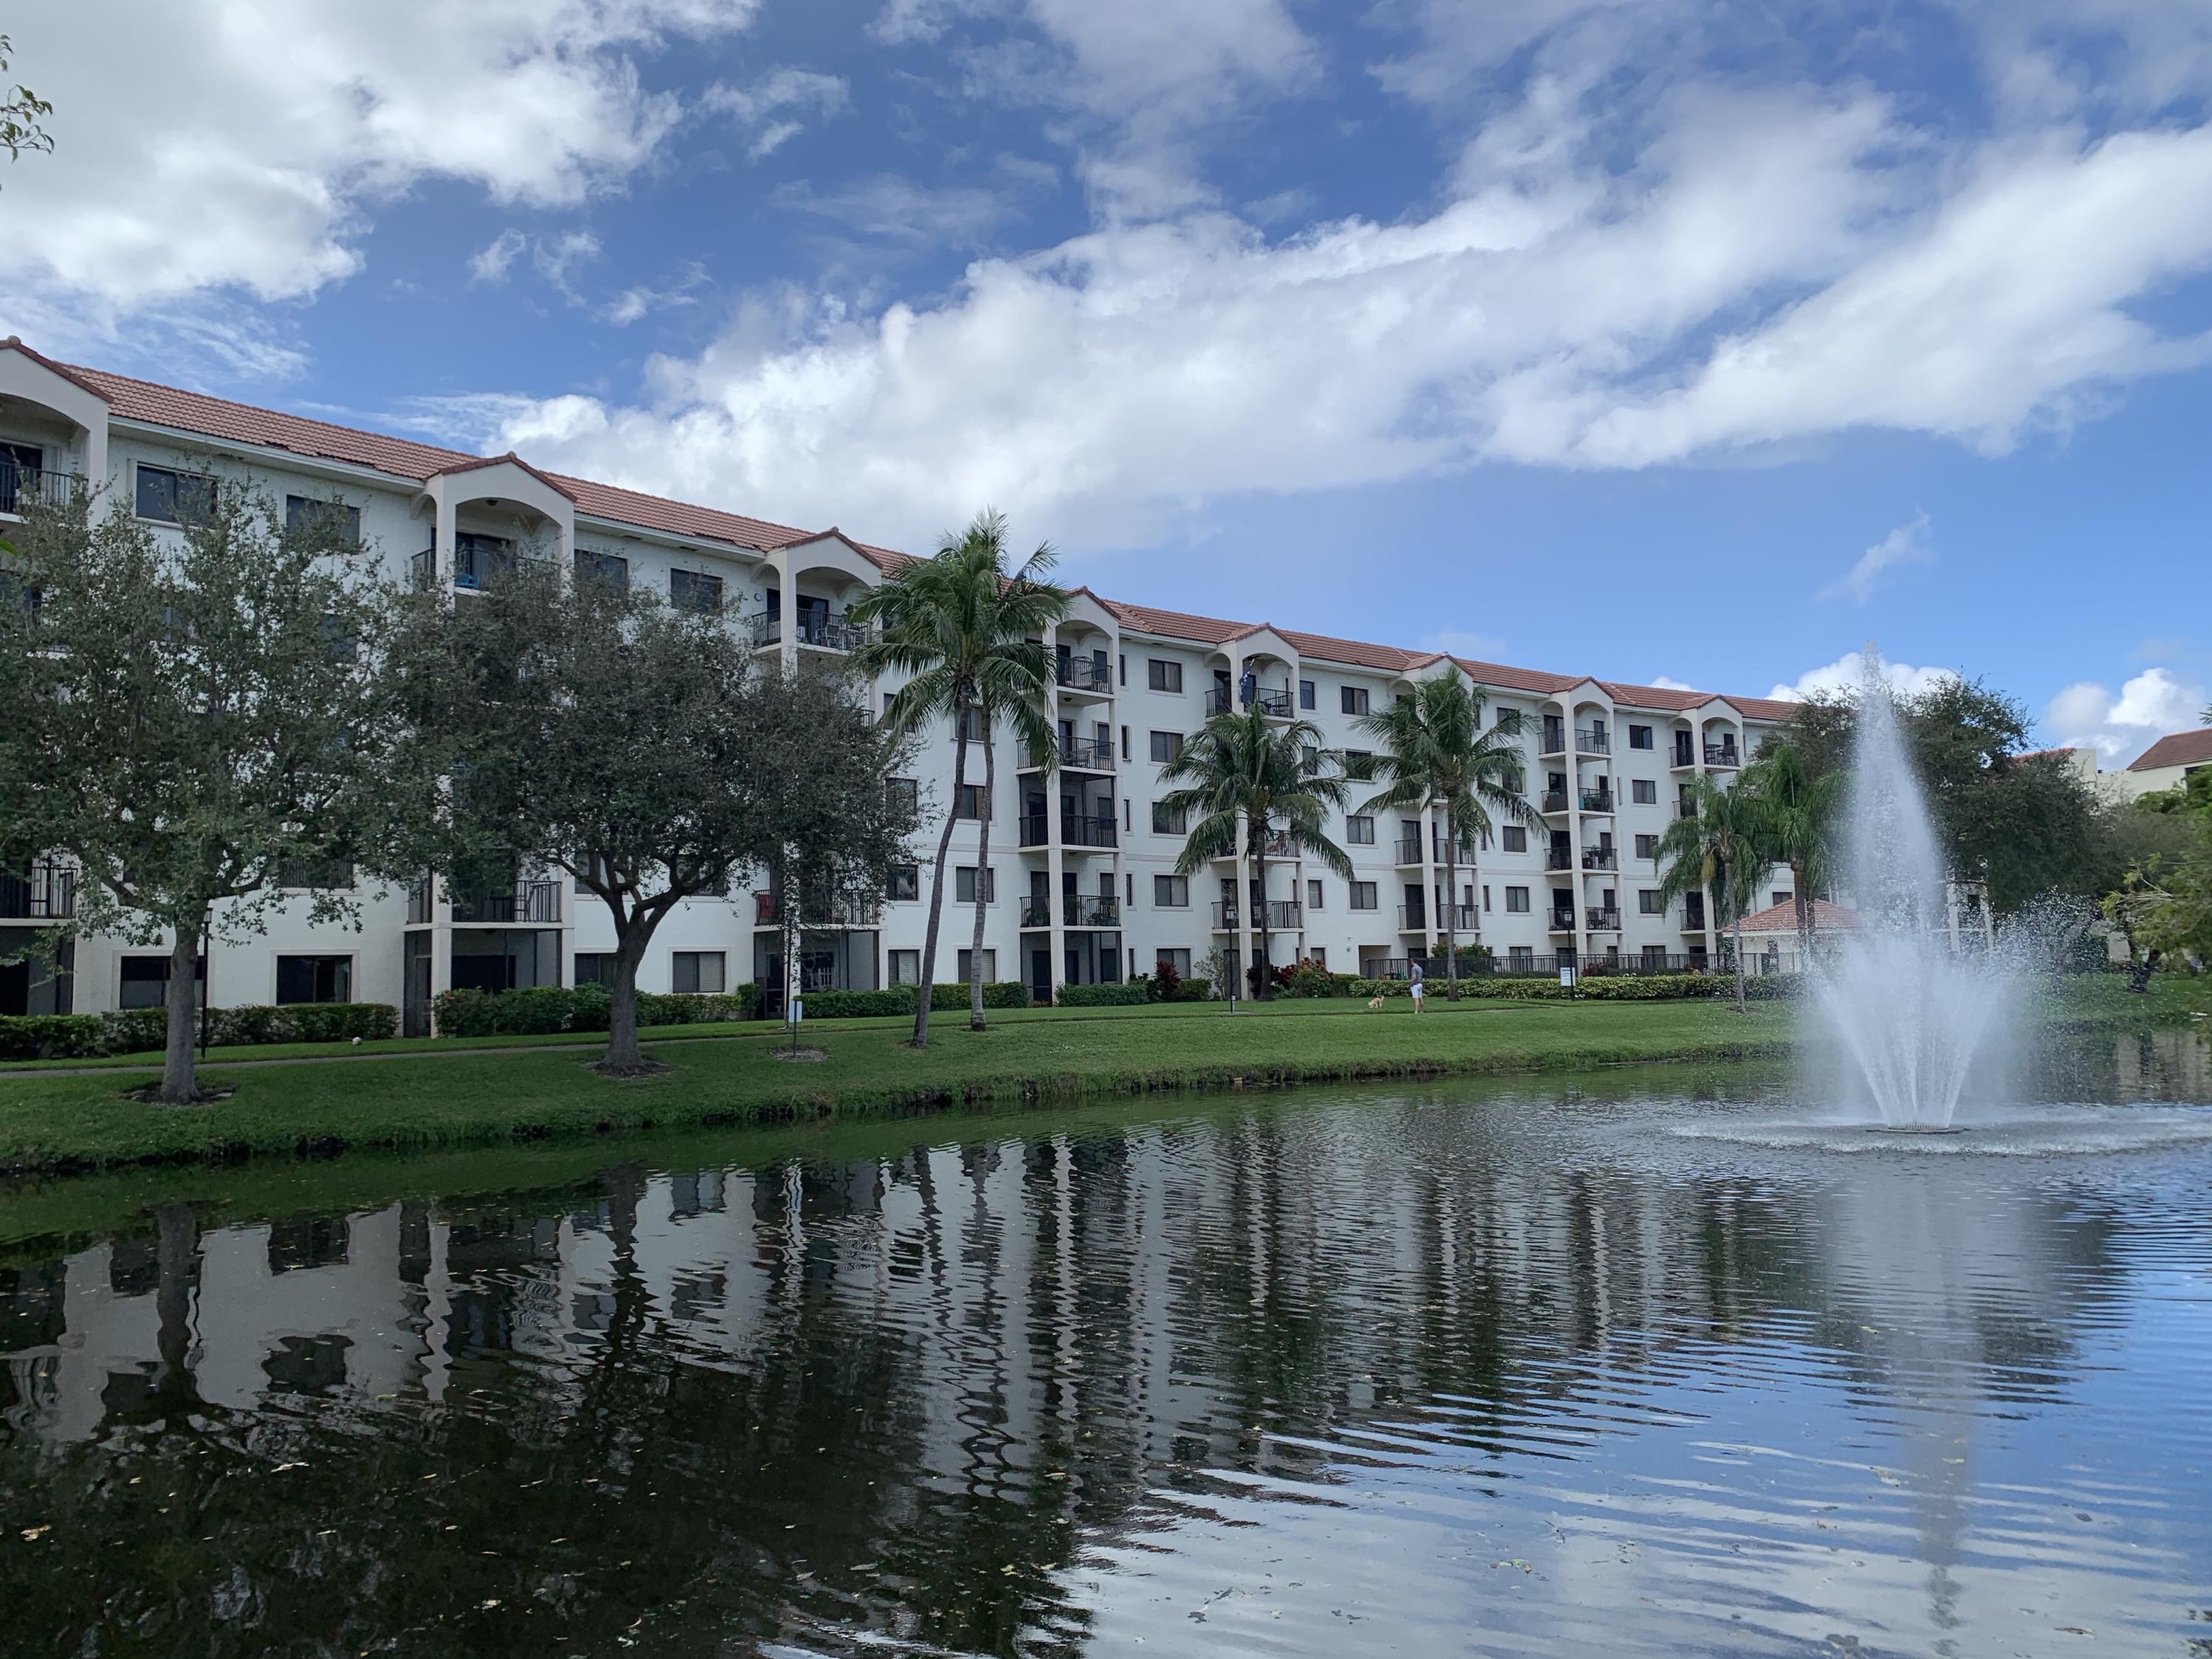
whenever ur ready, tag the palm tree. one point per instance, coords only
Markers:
(1435, 755)
(1800, 819)
(967, 631)
(1244, 770)
(1714, 848)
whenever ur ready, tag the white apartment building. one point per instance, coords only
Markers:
(1080, 880)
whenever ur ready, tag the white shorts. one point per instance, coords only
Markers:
(1414, 990)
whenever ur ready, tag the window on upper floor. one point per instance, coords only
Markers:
(1647, 847)
(1351, 698)
(1169, 822)
(905, 883)
(169, 497)
(1517, 901)
(964, 884)
(1643, 792)
(1515, 839)
(608, 570)
(1639, 737)
(1647, 903)
(1359, 765)
(1314, 891)
(693, 590)
(1365, 896)
(1305, 694)
(970, 802)
(906, 794)
(1171, 892)
(1166, 746)
(1163, 676)
(337, 522)
(1360, 830)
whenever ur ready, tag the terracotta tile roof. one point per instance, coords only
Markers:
(2176, 748)
(195, 413)
(75, 377)
(1783, 918)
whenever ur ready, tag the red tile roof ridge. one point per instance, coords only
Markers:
(510, 458)
(1783, 918)
(74, 376)
(2175, 749)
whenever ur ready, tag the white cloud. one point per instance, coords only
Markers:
(554, 258)
(770, 109)
(491, 262)
(1466, 642)
(241, 144)
(1665, 683)
(2087, 715)
(1906, 544)
(1848, 673)
(891, 208)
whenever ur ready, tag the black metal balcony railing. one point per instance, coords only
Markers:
(1457, 918)
(1558, 858)
(1409, 849)
(1411, 916)
(1086, 674)
(1081, 830)
(1093, 910)
(1553, 800)
(1036, 913)
(1591, 741)
(1600, 857)
(1684, 755)
(1686, 809)
(1273, 700)
(1226, 916)
(1596, 800)
(531, 899)
(1285, 913)
(1034, 830)
(44, 892)
(768, 910)
(422, 567)
(1563, 922)
(1722, 754)
(1277, 845)
(826, 631)
(20, 486)
(1554, 740)
(1087, 754)
(1600, 921)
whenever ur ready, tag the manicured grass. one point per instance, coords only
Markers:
(472, 1098)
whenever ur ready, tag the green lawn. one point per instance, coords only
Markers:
(458, 1097)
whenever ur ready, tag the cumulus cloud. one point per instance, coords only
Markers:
(1906, 544)
(1848, 673)
(2087, 715)
(243, 144)
(772, 110)
(1466, 642)
(1665, 683)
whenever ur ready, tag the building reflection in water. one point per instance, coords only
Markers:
(1318, 1376)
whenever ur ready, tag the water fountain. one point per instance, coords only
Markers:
(1910, 1012)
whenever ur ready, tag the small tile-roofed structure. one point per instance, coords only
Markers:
(2176, 748)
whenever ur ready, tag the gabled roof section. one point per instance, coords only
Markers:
(510, 459)
(1174, 624)
(1783, 918)
(2176, 748)
(75, 377)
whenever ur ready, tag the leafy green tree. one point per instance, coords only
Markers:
(967, 631)
(2164, 903)
(1798, 823)
(2027, 820)
(1435, 757)
(196, 719)
(1716, 849)
(1245, 771)
(19, 111)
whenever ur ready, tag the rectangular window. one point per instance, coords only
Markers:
(1517, 901)
(1171, 892)
(1647, 847)
(1305, 694)
(970, 803)
(1359, 765)
(693, 590)
(332, 521)
(1163, 676)
(1782, 897)
(963, 885)
(1166, 746)
(990, 966)
(1169, 822)
(1360, 830)
(971, 723)
(314, 979)
(1127, 807)
(1485, 896)
(1124, 743)
(1647, 903)
(1516, 839)
(1351, 698)
(1314, 895)
(595, 967)
(1122, 667)
(607, 570)
(145, 980)
(1177, 959)
(167, 496)
(906, 882)
(1520, 957)
(1644, 792)
(906, 967)
(1639, 737)
(696, 973)
(1364, 895)
(906, 794)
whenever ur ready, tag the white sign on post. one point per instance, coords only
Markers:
(1566, 979)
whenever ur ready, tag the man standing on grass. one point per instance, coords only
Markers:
(1413, 987)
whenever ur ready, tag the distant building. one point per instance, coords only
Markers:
(2166, 762)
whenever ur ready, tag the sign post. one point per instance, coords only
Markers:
(1567, 980)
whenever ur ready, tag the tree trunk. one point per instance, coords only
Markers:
(179, 1082)
(1452, 905)
(1736, 926)
(2139, 977)
(937, 883)
(1801, 903)
(1263, 988)
(983, 883)
(622, 1054)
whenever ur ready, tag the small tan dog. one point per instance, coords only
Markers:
(1375, 1003)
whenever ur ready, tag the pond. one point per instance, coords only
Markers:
(1606, 1363)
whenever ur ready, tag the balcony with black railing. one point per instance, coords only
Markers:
(818, 630)
(1551, 801)
(1552, 739)
(1413, 918)
(1600, 920)
(1558, 858)
(532, 900)
(1086, 754)
(1409, 850)
(22, 486)
(1600, 857)
(1089, 829)
(822, 915)
(1227, 917)
(1562, 922)
(1589, 740)
(1093, 674)
(1093, 910)
(1686, 754)
(47, 891)
(1597, 800)
(1273, 848)
(1273, 701)
(1721, 756)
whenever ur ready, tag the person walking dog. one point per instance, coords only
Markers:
(1413, 987)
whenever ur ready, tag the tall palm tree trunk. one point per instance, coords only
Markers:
(1263, 988)
(937, 883)
(1452, 905)
(1735, 926)
(982, 881)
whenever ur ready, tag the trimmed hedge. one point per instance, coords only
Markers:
(547, 1010)
(1111, 996)
(899, 999)
(1597, 987)
(145, 1031)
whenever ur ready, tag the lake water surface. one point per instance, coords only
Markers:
(1624, 1364)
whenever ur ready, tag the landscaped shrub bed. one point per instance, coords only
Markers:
(899, 999)
(545, 1010)
(142, 1031)
(1596, 987)
(1135, 994)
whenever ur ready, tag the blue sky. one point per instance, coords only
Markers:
(1663, 339)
